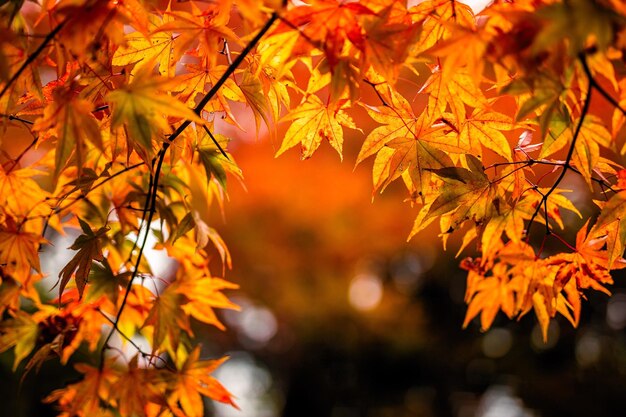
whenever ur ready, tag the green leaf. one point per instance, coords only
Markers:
(21, 332)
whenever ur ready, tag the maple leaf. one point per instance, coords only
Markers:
(577, 21)
(135, 387)
(206, 28)
(141, 48)
(10, 293)
(70, 119)
(438, 18)
(143, 108)
(406, 143)
(193, 83)
(588, 267)
(592, 134)
(398, 121)
(467, 194)
(193, 380)
(458, 90)
(104, 282)
(328, 24)
(89, 248)
(412, 155)
(510, 221)
(486, 128)
(18, 250)
(388, 37)
(86, 396)
(20, 194)
(20, 332)
(217, 165)
(87, 25)
(313, 121)
(168, 318)
(203, 294)
(252, 90)
(488, 295)
(612, 223)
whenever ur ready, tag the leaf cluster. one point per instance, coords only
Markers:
(484, 119)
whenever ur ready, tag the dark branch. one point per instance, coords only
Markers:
(19, 119)
(206, 129)
(150, 208)
(567, 164)
(32, 57)
(594, 84)
(229, 71)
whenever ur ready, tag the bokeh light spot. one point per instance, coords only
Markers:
(366, 292)
(497, 343)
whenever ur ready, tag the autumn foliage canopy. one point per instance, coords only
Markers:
(481, 117)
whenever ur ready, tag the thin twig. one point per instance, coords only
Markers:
(81, 197)
(304, 35)
(529, 162)
(32, 57)
(143, 219)
(598, 87)
(230, 70)
(151, 205)
(215, 142)
(151, 210)
(373, 85)
(568, 158)
(19, 119)
(513, 171)
(21, 155)
(134, 344)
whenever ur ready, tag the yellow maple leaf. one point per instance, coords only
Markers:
(18, 252)
(488, 295)
(193, 381)
(203, 294)
(313, 121)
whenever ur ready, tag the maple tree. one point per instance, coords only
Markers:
(481, 117)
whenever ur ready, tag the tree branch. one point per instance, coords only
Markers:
(151, 209)
(229, 71)
(206, 129)
(151, 201)
(593, 83)
(19, 119)
(568, 158)
(32, 57)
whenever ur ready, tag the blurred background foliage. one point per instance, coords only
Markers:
(348, 319)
